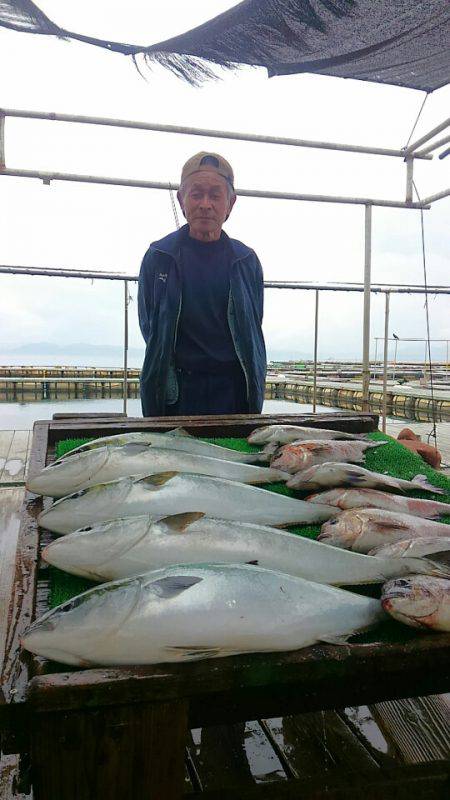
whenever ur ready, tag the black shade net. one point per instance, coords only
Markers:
(401, 42)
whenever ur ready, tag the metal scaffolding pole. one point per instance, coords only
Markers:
(125, 347)
(72, 177)
(214, 134)
(427, 136)
(366, 318)
(385, 361)
(316, 336)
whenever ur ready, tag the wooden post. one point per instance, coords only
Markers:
(130, 751)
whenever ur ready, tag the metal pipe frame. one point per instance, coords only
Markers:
(409, 178)
(387, 298)
(125, 346)
(214, 134)
(438, 196)
(47, 177)
(431, 147)
(2, 141)
(88, 274)
(316, 338)
(426, 137)
(366, 314)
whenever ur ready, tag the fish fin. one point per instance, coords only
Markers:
(270, 449)
(339, 639)
(158, 479)
(396, 526)
(423, 483)
(193, 652)
(441, 561)
(132, 448)
(178, 432)
(253, 563)
(173, 585)
(179, 522)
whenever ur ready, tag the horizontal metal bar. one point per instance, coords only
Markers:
(47, 177)
(438, 196)
(432, 146)
(215, 134)
(426, 137)
(11, 269)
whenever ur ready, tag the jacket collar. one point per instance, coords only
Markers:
(171, 244)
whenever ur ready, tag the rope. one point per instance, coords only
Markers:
(417, 119)
(432, 434)
(174, 208)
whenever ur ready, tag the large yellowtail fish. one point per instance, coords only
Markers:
(173, 493)
(105, 464)
(125, 547)
(186, 613)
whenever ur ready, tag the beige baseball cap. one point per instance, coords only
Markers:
(208, 161)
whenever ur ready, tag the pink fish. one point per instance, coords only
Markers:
(371, 498)
(301, 455)
(362, 529)
(420, 601)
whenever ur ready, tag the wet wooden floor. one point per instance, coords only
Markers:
(328, 744)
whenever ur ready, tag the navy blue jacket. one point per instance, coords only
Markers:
(159, 306)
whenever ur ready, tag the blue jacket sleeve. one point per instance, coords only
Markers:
(260, 288)
(145, 294)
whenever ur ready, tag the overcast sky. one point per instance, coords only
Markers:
(109, 228)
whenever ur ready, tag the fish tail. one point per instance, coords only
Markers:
(423, 483)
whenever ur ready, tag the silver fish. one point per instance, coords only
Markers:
(177, 439)
(122, 548)
(371, 498)
(423, 546)
(105, 464)
(173, 493)
(186, 613)
(419, 601)
(324, 476)
(283, 434)
(298, 456)
(362, 529)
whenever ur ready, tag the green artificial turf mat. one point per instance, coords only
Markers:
(391, 459)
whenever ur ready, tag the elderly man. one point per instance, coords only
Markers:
(200, 306)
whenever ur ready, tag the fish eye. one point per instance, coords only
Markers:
(402, 582)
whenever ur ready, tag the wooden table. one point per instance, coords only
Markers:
(121, 733)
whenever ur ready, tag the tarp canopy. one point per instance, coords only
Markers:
(401, 42)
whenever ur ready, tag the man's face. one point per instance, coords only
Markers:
(206, 202)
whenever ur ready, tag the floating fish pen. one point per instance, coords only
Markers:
(405, 403)
(174, 731)
(27, 390)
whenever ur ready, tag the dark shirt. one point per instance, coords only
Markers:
(204, 342)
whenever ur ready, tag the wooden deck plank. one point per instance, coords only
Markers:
(6, 438)
(418, 729)
(227, 756)
(15, 465)
(420, 781)
(318, 743)
(11, 500)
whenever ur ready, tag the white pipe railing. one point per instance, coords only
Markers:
(209, 132)
(385, 289)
